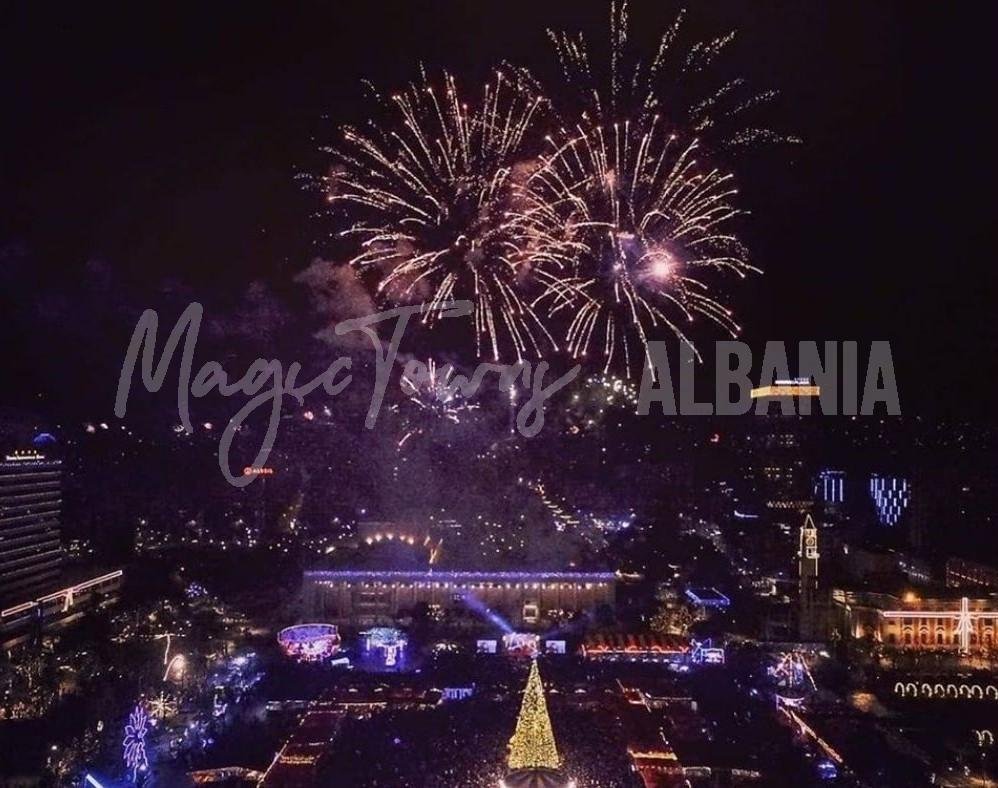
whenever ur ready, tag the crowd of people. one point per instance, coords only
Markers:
(462, 744)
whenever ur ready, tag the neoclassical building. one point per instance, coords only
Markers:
(523, 598)
(951, 623)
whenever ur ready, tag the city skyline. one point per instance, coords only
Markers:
(469, 395)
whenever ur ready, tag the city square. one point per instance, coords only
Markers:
(493, 395)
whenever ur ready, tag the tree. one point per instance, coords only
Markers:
(533, 745)
(672, 617)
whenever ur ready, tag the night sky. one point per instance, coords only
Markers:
(150, 149)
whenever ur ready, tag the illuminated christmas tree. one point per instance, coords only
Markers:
(532, 745)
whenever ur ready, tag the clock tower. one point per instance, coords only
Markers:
(810, 604)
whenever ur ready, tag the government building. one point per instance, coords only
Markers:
(939, 622)
(367, 598)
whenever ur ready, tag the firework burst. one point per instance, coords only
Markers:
(676, 80)
(631, 227)
(432, 194)
(596, 398)
(431, 393)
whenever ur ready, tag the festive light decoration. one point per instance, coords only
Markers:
(706, 653)
(891, 496)
(166, 651)
(309, 642)
(639, 647)
(965, 618)
(946, 691)
(533, 745)
(65, 595)
(521, 644)
(163, 707)
(218, 703)
(562, 517)
(176, 666)
(389, 641)
(809, 732)
(458, 576)
(134, 742)
(791, 672)
(830, 485)
(707, 597)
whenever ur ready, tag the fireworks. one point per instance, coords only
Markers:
(609, 238)
(632, 225)
(432, 391)
(631, 87)
(433, 191)
(590, 403)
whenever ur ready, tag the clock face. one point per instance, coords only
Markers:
(811, 541)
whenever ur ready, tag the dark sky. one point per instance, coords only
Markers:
(165, 143)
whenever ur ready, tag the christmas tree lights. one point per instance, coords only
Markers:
(533, 745)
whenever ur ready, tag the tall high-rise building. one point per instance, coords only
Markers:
(830, 487)
(777, 470)
(30, 549)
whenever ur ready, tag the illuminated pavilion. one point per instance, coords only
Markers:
(533, 758)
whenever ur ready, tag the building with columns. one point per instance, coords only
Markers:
(367, 598)
(941, 622)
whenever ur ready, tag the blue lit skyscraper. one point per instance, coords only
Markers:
(830, 487)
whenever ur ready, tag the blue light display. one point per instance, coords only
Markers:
(891, 496)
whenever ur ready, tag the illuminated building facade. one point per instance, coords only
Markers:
(891, 496)
(796, 387)
(648, 647)
(61, 607)
(778, 473)
(830, 487)
(30, 550)
(525, 598)
(707, 598)
(309, 642)
(961, 624)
